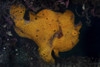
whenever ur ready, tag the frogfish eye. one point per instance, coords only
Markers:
(74, 33)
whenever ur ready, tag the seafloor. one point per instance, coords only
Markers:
(16, 51)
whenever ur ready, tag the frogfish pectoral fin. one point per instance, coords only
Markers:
(56, 53)
(45, 54)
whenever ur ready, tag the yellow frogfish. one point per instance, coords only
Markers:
(51, 31)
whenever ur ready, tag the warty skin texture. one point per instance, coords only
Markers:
(50, 30)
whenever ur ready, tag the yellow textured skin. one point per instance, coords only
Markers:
(50, 30)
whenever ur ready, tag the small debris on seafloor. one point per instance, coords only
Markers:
(9, 33)
(4, 48)
(16, 49)
(5, 26)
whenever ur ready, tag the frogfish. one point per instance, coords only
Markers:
(50, 30)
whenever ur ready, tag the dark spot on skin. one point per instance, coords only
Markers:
(37, 30)
(43, 54)
(43, 14)
(35, 18)
(16, 11)
(46, 18)
(54, 30)
(74, 33)
(21, 12)
(36, 35)
(67, 32)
